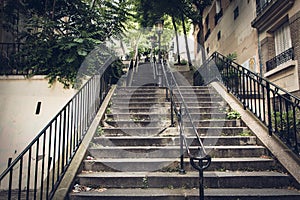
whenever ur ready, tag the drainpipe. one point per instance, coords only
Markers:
(259, 55)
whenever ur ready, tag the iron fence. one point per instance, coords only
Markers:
(37, 172)
(9, 59)
(278, 109)
(280, 59)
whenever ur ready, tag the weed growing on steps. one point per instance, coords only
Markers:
(145, 182)
(99, 131)
(233, 115)
(107, 111)
(246, 133)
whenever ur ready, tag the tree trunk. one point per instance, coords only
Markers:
(200, 42)
(177, 41)
(186, 41)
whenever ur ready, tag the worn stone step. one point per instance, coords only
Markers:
(154, 123)
(192, 94)
(171, 141)
(201, 99)
(153, 109)
(137, 123)
(137, 116)
(190, 194)
(163, 98)
(147, 131)
(138, 88)
(162, 116)
(140, 95)
(150, 99)
(174, 151)
(149, 104)
(173, 165)
(213, 179)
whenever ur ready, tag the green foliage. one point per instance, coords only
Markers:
(99, 131)
(233, 115)
(246, 133)
(183, 62)
(284, 120)
(145, 182)
(59, 34)
(232, 56)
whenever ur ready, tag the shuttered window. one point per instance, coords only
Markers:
(282, 38)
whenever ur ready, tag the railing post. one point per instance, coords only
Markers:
(269, 108)
(10, 179)
(181, 171)
(201, 181)
(172, 108)
(244, 89)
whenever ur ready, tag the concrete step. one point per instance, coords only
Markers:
(149, 104)
(174, 151)
(162, 116)
(162, 98)
(158, 93)
(147, 131)
(139, 89)
(213, 179)
(138, 123)
(154, 109)
(200, 99)
(192, 94)
(138, 99)
(171, 141)
(153, 123)
(188, 194)
(173, 165)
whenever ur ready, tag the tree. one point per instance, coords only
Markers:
(197, 17)
(149, 11)
(59, 34)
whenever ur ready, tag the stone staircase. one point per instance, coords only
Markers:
(135, 152)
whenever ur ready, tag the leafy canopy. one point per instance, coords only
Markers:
(59, 34)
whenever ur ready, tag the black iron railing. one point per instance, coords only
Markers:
(280, 59)
(37, 172)
(202, 160)
(9, 59)
(278, 109)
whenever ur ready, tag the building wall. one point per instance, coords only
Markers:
(236, 35)
(295, 34)
(285, 75)
(19, 123)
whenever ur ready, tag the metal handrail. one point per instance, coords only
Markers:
(275, 107)
(203, 159)
(37, 172)
(280, 59)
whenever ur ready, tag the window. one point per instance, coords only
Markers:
(207, 21)
(218, 6)
(236, 13)
(282, 38)
(219, 12)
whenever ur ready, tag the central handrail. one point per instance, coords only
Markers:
(203, 159)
